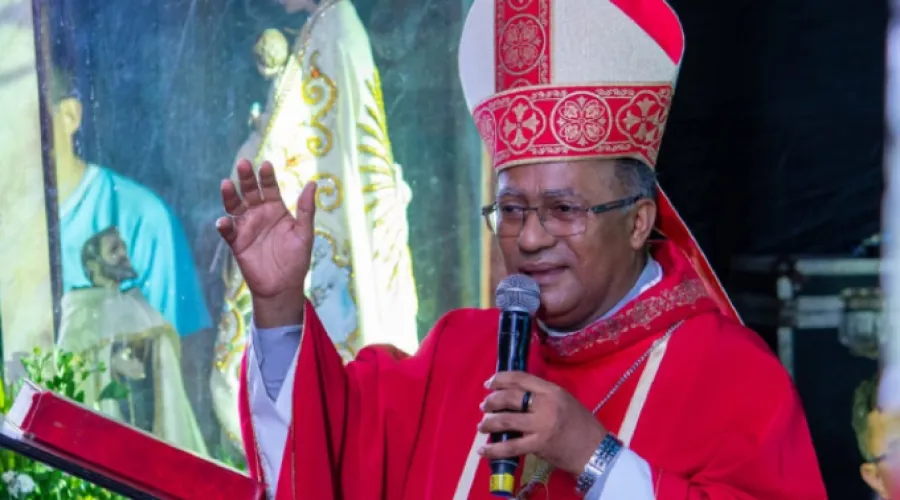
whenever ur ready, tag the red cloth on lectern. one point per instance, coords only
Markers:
(722, 420)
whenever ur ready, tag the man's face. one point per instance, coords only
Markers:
(66, 118)
(877, 474)
(581, 275)
(114, 259)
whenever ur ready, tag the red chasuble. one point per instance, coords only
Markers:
(717, 419)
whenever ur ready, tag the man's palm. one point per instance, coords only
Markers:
(272, 247)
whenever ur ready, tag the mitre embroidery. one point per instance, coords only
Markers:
(574, 122)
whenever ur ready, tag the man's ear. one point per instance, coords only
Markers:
(872, 477)
(70, 114)
(643, 221)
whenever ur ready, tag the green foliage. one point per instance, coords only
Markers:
(62, 373)
(229, 456)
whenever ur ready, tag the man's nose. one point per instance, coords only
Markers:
(534, 237)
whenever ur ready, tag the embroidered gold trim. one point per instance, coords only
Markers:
(638, 316)
(286, 85)
(318, 87)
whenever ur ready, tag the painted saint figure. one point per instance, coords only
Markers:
(119, 329)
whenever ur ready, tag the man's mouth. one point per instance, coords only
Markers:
(543, 273)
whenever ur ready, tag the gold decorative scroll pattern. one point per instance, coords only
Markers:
(386, 195)
(383, 190)
(292, 68)
(319, 92)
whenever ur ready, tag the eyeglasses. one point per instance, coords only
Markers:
(560, 219)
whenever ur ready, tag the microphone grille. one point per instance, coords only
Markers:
(518, 292)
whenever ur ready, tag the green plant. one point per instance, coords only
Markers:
(231, 457)
(62, 373)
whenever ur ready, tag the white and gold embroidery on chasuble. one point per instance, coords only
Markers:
(325, 121)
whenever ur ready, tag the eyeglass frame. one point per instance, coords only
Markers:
(541, 212)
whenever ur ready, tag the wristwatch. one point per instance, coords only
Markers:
(599, 464)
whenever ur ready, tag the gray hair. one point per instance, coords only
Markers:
(637, 178)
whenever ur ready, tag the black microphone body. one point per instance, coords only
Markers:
(518, 298)
(514, 339)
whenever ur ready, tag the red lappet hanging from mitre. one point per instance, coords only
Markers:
(566, 80)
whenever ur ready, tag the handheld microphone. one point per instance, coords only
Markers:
(518, 298)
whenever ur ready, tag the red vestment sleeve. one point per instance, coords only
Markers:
(337, 445)
(762, 449)
(782, 467)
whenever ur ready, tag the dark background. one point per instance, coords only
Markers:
(774, 146)
(774, 143)
(776, 136)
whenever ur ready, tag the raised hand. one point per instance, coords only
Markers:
(272, 247)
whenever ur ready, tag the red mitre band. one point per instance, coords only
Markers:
(560, 123)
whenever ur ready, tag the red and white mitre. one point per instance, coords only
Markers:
(565, 80)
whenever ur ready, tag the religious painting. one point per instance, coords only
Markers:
(110, 322)
(110, 250)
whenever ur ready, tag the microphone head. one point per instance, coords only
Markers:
(518, 293)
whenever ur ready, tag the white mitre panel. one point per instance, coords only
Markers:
(593, 42)
(476, 54)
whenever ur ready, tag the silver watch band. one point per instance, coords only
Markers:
(599, 464)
